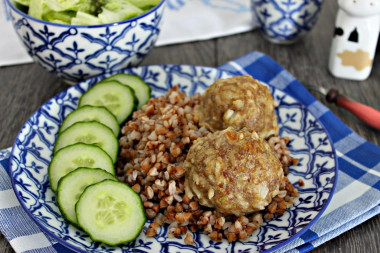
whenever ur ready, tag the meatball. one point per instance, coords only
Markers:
(233, 171)
(239, 101)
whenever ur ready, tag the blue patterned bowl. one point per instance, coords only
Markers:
(285, 21)
(77, 52)
(310, 143)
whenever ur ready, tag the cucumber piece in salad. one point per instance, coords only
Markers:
(92, 113)
(91, 132)
(110, 212)
(72, 185)
(78, 155)
(116, 97)
(142, 89)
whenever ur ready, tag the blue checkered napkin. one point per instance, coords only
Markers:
(19, 229)
(357, 194)
(356, 199)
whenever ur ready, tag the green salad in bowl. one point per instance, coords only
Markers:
(84, 12)
(78, 39)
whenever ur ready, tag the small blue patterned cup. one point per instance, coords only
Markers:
(76, 52)
(285, 21)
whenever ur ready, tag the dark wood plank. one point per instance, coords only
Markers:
(196, 53)
(363, 238)
(24, 89)
(4, 245)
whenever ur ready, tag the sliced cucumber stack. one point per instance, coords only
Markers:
(89, 133)
(92, 113)
(72, 185)
(78, 155)
(142, 89)
(116, 97)
(110, 212)
(82, 169)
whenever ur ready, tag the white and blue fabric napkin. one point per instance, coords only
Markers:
(184, 21)
(356, 198)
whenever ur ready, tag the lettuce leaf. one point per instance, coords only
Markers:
(22, 2)
(144, 4)
(61, 17)
(69, 5)
(37, 8)
(118, 10)
(85, 19)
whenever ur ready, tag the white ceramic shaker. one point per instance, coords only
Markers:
(355, 38)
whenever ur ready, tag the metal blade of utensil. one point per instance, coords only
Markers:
(365, 113)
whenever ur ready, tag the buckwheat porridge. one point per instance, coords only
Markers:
(213, 163)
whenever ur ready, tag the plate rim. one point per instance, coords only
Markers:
(90, 80)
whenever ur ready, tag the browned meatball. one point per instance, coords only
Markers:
(235, 172)
(239, 101)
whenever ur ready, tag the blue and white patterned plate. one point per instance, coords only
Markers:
(32, 152)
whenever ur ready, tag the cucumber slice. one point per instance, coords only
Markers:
(117, 98)
(92, 113)
(78, 155)
(142, 89)
(110, 212)
(91, 132)
(71, 186)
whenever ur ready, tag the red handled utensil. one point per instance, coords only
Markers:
(367, 114)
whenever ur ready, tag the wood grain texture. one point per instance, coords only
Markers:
(24, 88)
(4, 245)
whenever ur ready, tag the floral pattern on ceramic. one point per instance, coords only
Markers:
(78, 52)
(285, 21)
(32, 152)
(4, 153)
(356, 33)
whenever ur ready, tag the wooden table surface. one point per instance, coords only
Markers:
(24, 88)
